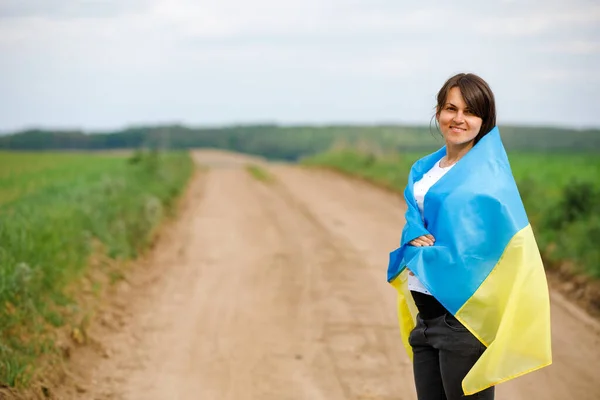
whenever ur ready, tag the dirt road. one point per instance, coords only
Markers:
(277, 291)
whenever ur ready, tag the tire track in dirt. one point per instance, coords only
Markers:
(356, 336)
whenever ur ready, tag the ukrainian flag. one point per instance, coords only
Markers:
(485, 266)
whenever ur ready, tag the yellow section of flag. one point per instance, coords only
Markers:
(510, 314)
(407, 310)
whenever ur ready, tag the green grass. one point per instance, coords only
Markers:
(260, 173)
(561, 194)
(53, 208)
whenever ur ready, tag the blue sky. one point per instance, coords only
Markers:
(99, 65)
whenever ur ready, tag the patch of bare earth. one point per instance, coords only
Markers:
(277, 291)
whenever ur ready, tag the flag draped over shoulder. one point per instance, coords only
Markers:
(485, 266)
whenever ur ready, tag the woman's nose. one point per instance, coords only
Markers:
(459, 117)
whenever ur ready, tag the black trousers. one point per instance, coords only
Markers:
(444, 351)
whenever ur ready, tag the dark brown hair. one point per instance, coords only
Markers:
(477, 95)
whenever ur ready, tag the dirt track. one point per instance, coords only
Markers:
(277, 291)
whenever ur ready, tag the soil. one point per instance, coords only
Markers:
(277, 290)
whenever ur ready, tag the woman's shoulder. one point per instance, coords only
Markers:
(426, 162)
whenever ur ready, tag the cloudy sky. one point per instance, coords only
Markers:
(104, 64)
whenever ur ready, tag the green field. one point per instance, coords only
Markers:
(561, 193)
(56, 211)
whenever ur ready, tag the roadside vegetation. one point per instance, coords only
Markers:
(56, 211)
(259, 173)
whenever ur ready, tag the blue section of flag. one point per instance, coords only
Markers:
(472, 211)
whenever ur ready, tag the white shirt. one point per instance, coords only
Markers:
(420, 189)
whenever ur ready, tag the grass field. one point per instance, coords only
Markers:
(55, 211)
(561, 193)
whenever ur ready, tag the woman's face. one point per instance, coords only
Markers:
(458, 125)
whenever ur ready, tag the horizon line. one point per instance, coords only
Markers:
(383, 123)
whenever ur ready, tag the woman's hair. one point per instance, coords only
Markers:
(477, 95)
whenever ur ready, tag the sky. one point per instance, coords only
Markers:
(101, 65)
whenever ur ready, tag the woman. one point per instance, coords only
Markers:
(464, 221)
(465, 112)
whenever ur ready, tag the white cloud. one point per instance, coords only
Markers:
(65, 9)
(574, 47)
(233, 18)
(552, 75)
(536, 22)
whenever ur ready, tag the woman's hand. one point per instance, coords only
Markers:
(421, 241)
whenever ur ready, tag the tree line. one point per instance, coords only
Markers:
(293, 142)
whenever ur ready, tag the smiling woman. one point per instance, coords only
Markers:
(467, 248)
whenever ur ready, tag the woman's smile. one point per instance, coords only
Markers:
(456, 129)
